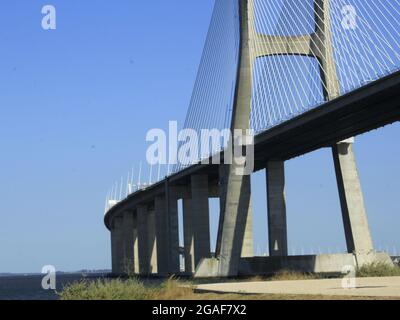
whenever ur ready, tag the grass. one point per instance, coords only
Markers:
(101, 289)
(287, 275)
(129, 289)
(378, 269)
(173, 289)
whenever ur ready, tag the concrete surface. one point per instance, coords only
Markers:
(238, 187)
(324, 263)
(276, 203)
(357, 232)
(365, 287)
(200, 218)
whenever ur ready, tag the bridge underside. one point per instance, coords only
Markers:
(368, 108)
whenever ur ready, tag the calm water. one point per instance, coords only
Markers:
(30, 287)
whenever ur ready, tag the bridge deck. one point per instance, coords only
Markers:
(367, 108)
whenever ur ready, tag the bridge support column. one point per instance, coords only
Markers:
(358, 236)
(277, 226)
(188, 237)
(200, 218)
(173, 230)
(234, 224)
(152, 242)
(142, 215)
(248, 240)
(128, 239)
(135, 245)
(174, 263)
(113, 247)
(162, 235)
(117, 253)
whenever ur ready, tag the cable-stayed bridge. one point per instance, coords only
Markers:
(303, 75)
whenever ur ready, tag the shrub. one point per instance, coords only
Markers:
(292, 275)
(378, 269)
(130, 289)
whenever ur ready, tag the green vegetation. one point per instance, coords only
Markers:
(378, 269)
(173, 289)
(287, 275)
(129, 289)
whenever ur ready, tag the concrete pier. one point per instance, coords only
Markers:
(234, 225)
(162, 235)
(200, 217)
(135, 245)
(152, 242)
(144, 263)
(188, 237)
(248, 239)
(173, 230)
(358, 236)
(117, 253)
(128, 243)
(276, 203)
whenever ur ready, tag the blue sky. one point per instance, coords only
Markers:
(75, 106)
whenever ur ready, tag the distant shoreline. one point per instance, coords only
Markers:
(80, 272)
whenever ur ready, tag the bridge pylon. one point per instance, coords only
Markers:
(236, 190)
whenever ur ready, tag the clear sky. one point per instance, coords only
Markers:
(75, 106)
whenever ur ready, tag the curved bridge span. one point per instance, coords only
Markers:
(144, 226)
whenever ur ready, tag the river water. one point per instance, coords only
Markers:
(29, 287)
